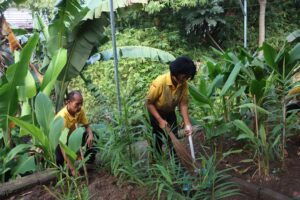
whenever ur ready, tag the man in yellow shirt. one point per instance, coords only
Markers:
(74, 115)
(166, 92)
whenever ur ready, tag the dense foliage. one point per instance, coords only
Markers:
(237, 95)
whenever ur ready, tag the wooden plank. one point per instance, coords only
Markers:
(18, 185)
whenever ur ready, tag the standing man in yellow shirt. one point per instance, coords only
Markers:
(167, 92)
(74, 115)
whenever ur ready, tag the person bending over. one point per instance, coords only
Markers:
(167, 92)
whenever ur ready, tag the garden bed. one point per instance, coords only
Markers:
(284, 180)
(102, 186)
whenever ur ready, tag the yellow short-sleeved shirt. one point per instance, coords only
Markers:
(164, 95)
(71, 122)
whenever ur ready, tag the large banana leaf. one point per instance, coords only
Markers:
(134, 52)
(15, 77)
(293, 36)
(270, 55)
(69, 14)
(98, 6)
(55, 67)
(80, 48)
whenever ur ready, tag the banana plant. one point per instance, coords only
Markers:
(15, 78)
(79, 29)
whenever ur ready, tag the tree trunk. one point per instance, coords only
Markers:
(262, 15)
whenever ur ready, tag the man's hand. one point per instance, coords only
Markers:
(188, 129)
(163, 124)
(89, 140)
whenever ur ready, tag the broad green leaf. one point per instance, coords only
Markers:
(241, 125)
(75, 139)
(231, 79)
(203, 86)
(294, 55)
(28, 90)
(198, 96)
(216, 83)
(81, 46)
(257, 88)
(68, 151)
(55, 67)
(40, 25)
(270, 55)
(97, 7)
(56, 129)
(16, 150)
(33, 130)
(25, 164)
(139, 52)
(238, 93)
(64, 136)
(15, 76)
(253, 106)
(293, 36)
(26, 108)
(44, 112)
(69, 14)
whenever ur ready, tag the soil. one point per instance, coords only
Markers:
(102, 186)
(284, 179)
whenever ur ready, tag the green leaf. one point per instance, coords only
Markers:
(198, 96)
(25, 164)
(68, 151)
(81, 46)
(231, 79)
(69, 14)
(28, 90)
(139, 52)
(56, 129)
(64, 136)
(293, 36)
(262, 134)
(253, 106)
(55, 67)
(294, 56)
(248, 132)
(33, 130)
(15, 76)
(97, 7)
(16, 150)
(270, 55)
(257, 88)
(75, 139)
(44, 112)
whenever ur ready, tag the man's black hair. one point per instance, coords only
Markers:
(70, 95)
(183, 65)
